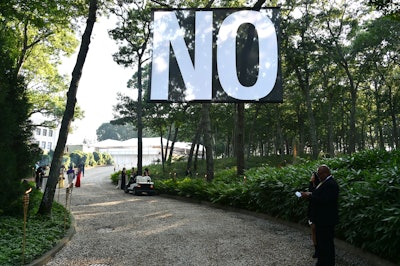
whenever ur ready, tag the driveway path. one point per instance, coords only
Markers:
(114, 228)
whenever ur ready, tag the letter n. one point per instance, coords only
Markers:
(196, 76)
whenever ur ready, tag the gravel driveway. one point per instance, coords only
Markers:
(114, 228)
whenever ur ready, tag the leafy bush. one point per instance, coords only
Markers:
(369, 200)
(17, 152)
(108, 160)
(66, 161)
(42, 233)
(88, 159)
(115, 177)
(98, 157)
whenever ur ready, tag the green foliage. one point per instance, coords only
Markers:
(45, 159)
(38, 33)
(115, 176)
(66, 161)
(98, 157)
(369, 199)
(117, 132)
(17, 154)
(88, 159)
(102, 158)
(77, 158)
(108, 160)
(42, 233)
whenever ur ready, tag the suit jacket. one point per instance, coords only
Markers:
(311, 188)
(324, 201)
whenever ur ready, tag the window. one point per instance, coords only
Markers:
(44, 132)
(49, 145)
(43, 145)
(50, 132)
(38, 131)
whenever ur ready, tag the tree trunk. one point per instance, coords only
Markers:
(167, 145)
(393, 115)
(207, 140)
(48, 196)
(392, 110)
(330, 147)
(352, 121)
(239, 139)
(195, 141)
(196, 156)
(279, 134)
(171, 150)
(139, 121)
(378, 115)
(162, 150)
(250, 139)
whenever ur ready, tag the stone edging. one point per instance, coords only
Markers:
(46, 257)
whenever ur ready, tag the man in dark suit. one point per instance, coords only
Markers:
(325, 214)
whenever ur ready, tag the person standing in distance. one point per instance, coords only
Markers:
(71, 176)
(325, 214)
(123, 179)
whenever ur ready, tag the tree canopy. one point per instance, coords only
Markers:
(33, 36)
(38, 34)
(340, 69)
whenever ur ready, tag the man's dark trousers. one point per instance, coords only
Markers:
(326, 248)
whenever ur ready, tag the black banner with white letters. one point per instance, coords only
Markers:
(216, 55)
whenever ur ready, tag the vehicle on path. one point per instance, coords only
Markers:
(140, 185)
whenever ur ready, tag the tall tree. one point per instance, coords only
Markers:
(298, 52)
(115, 131)
(48, 196)
(133, 32)
(17, 153)
(377, 45)
(340, 22)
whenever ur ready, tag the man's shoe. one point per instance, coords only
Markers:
(315, 255)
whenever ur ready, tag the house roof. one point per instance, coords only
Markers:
(110, 143)
(133, 143)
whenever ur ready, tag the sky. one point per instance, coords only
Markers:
(101, 80)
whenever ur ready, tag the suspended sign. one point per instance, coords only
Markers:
(217, 55)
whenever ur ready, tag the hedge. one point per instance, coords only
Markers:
(369, 201)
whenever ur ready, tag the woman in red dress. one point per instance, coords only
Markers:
(78, 178)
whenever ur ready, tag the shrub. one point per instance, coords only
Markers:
(115, 177)
(98, 157)
(108, 160)
(42, 233)
(369, 199)
(17, 153)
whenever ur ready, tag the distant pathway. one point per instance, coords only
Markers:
(114, 228)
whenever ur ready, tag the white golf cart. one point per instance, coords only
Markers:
(140, 185)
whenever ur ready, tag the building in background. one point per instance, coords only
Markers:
(45, 137)
(125, 153)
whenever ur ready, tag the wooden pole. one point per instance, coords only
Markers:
(26, 204)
